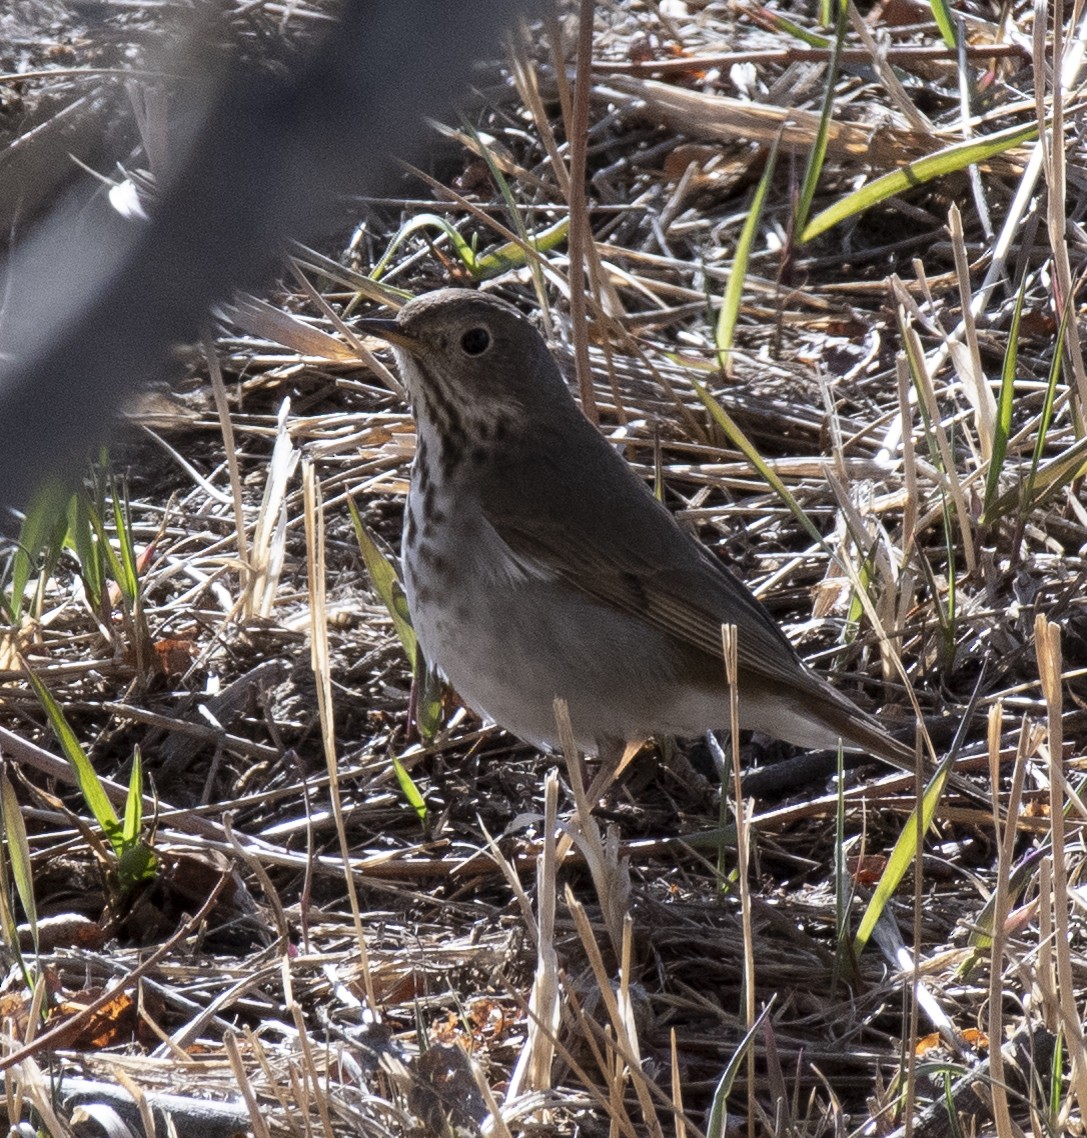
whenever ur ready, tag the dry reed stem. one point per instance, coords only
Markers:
(237, 1065)
(533, 1070)
(319, 656)
(1048, 647)
(742, 812)
(222, 409)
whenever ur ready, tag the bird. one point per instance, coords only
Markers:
(537, 564)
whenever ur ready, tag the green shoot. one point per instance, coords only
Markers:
(941, 13)
(40, 539)
(386, 583)
(717, 1124)
(95, 797)
(552, 236)
(739, 440)
(135, 860)
(775, 21)
(1046, 417)
(410, 791)
(818, 152)
(730, 305)
(1002, 427)
(949, 160)
(1043, 479)
(1045, 482)
(18, 859)
(509, 255)
(427, 689)
(905, 850)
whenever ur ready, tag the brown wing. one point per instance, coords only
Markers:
(688, 603)
(597, 526)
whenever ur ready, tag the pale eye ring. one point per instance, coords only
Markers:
(475, 341)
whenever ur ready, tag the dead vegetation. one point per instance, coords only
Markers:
(466, 976)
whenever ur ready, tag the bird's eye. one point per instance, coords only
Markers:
(475, 341)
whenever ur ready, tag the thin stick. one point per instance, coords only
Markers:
(322, 674)
(729, 645)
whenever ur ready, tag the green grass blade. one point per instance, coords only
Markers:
(9, 927)
(512, 254)
(739, 440)
(39, 530)
(428, 697)
(128, 571)
(133, 824)
(410, 791)
(1003, 426)
(775, 21)
(1046, 417)
(817, 154)
(730, 305)
(505, 191)
(111, 561)
(941, 13)
(428, 221)
(1056, 1076)
(19, 854)
(527, 249)
(865, 577)
(88, 553)
(947, 161)
(717, 1123)
(981, 925)
(386, 583)
(905, 850)
(1042, 481)
(1047, 480)
(89, 786)
(138, 860)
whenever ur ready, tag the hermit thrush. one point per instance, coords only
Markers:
(537, 564)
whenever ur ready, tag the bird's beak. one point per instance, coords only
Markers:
(391, 332)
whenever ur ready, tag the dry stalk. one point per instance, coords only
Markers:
(611, 877)
(925, 384)
(222, 409)
(1047, 638)
(622, 1050)
(241, 1077)
(1005, 835)
(533, 1070)
(967, 357)
(742, 812)
(322, 672)
(311, 1078)
(266, 556)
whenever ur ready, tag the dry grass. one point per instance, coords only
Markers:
(466, 975)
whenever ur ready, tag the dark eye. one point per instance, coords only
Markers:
(475, 341)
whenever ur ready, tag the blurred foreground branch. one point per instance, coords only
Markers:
(85, 321)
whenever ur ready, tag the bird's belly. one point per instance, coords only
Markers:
(511, 637)
(510, 651)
